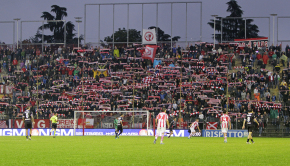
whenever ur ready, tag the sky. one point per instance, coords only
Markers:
(32, 10)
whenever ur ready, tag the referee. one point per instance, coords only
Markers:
(53, 120)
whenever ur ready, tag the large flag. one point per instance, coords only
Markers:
(149, 36)
(149, 52)
(147, 79)
(211, 125)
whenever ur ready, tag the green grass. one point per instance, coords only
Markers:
(105, 150)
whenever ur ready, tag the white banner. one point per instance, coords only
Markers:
(149, 36)
(2, 88)
(89, 123)
(8, 89)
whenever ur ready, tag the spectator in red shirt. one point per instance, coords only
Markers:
(270, 53)
(265, 58)
(70, 71)
(63, 70)
(15, 62)
(259, 56)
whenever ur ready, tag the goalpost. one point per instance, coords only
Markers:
(102, 121)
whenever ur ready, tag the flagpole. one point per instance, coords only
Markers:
(227, 93)
(180, 93)
(133, 99)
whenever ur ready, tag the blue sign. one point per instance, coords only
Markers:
(218, 133)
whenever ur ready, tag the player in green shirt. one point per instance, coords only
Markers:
(53, 120)
(116, 127)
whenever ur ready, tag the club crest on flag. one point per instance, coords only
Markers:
(149, 53)
(149, 36)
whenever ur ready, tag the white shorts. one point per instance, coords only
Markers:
(161, 130)
(192, 130)
(224, 130)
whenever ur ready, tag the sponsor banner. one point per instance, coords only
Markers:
(90, 132)
(218, 133)
(65, 123)
(39, 123)
(149, 36)
(35, 132)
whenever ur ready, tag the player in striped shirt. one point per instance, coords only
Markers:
(193, 128)
(161, 121)
(225, 122)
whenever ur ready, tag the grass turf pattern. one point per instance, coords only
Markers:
(106, 150)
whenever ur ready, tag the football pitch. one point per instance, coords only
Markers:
(130, 150)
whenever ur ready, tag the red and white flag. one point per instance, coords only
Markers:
(211, 125)
(3, 124)
(149, 52)
(149, 36)
(147, 79)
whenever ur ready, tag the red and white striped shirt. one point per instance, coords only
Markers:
(162, 117)
(194, 125)
(225, 119)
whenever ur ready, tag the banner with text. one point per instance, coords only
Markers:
(218, 133)
(90, 132)
(253, 42)
(65, 123)
(39, 123)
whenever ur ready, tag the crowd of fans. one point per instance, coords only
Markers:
(189, 82)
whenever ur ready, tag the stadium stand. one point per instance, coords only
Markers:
(189, 82)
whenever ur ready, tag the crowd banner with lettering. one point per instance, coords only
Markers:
(218, 133)
(253, 42)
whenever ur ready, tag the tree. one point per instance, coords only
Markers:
(234, 28)
(57, 28)
(121, 36)
(162, 36)
(135, 36)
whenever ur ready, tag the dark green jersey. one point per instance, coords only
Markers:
(116, 123)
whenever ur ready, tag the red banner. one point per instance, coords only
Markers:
(65, 123)
(181, 124)
(39, 123)
(150, 52)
